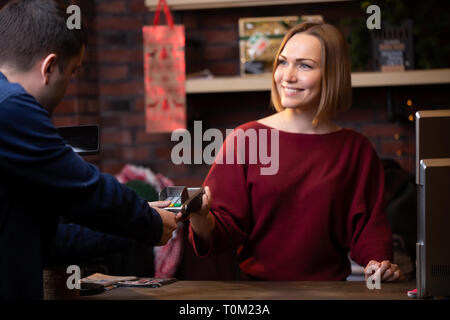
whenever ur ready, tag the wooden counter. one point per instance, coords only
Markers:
(261, 290)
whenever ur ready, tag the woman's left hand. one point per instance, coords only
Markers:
(388, 271)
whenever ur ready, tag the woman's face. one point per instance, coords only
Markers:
(298, 74)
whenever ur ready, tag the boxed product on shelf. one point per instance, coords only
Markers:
(392, 47)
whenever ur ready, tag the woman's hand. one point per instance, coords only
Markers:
(388, 271)
(202, 221)
(206, 203)
(204, 210)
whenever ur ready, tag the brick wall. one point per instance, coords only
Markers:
(110, 90)
(80, 105)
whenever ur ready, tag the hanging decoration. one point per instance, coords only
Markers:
(165, 74)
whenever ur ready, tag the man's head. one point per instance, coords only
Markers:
(38, 50)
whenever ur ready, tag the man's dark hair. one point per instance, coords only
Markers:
(31, 29)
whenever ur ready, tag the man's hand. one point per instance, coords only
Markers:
(168, 218)
(388, 271)
(159, 204)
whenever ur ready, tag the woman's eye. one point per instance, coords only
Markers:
(305, 66)
(282, 62)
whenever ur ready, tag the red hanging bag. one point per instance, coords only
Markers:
(165, 74)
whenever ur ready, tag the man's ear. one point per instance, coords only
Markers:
(48, 67)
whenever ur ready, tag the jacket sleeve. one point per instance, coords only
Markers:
(370, 234)
(74, 244)
(36, 160)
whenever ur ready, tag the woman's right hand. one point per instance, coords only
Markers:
(206, 203)
(202, 221)
(204, 210)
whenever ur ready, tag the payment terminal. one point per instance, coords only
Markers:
(182, 199)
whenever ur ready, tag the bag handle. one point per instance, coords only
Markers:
(166, 12)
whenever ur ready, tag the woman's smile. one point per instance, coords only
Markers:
(289, 91)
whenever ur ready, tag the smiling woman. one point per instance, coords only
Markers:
(326, 199)
(320, 54)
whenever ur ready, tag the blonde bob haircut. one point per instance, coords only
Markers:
(336, 93)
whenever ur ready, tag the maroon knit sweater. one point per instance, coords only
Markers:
(325, 201)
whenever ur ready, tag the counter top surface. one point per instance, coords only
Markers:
(261, 290)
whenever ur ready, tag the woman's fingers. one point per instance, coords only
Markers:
(385, 270)
(371, 268)
(395, 274)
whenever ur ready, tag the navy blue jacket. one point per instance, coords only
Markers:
(42, 179)
(75, 244)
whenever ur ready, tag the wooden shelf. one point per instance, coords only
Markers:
(229, 84)
(405, 78)
(208, 4)
(359, 79)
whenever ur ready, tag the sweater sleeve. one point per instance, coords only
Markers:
(38, 163)
(230, 202)
(370, 234)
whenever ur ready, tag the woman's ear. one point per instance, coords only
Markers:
(48, 67)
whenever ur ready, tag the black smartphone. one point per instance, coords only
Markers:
(84, 140)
